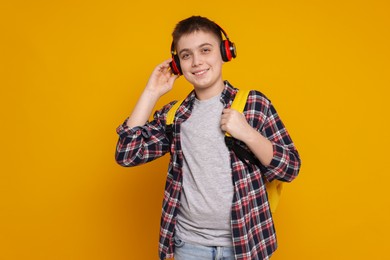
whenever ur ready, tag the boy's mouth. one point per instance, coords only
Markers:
(200, 72)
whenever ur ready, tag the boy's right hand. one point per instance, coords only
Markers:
(161, 80)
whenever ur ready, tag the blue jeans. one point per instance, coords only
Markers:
(186, 251)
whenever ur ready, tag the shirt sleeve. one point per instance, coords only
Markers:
(142, 144)
(286, 162)
(262, 115)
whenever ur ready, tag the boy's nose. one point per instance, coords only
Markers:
(196, 61)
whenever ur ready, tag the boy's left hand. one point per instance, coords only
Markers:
(235, 124)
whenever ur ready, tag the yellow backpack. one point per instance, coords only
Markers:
(274, 188)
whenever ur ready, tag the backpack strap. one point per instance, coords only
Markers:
(172, 111)
(240, 100)
(170, 118)
(239, 103)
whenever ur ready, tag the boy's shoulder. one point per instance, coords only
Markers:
(256, 98)
(254, 93)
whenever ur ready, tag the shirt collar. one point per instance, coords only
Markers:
(227, 94)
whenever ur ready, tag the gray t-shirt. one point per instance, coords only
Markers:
(206, 198)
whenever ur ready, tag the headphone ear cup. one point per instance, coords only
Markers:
(223, 51)
(228, 50)
(175, 65)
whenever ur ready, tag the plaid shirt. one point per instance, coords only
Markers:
(252, 226)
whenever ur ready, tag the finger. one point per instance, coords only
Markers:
(163, 66)
(165, 63)
(226, 111)
(223, 127)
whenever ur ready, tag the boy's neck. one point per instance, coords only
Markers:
(207, 93)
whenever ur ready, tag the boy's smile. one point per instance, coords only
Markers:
(201, 62)
(201, 72)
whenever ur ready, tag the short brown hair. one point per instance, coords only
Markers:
(195, 23)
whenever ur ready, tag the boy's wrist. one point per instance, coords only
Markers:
(251, 136)
(151, 95)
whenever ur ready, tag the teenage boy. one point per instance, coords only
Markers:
(215, 205)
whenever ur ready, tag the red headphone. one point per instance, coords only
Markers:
(228, 52)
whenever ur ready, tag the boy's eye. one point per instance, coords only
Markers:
(185, 56)
(205, 50)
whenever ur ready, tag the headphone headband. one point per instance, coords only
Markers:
(223, 32)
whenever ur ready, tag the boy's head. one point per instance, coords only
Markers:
(196, 24)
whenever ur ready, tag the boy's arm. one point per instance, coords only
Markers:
(160, 82)
(140, 142)
(269, 140)
(235, 124)
(286, 162)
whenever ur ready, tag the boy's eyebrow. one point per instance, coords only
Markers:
(200, 46)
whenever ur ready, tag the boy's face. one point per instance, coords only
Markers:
(200, 60)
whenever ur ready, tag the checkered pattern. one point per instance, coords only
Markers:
(252, 226)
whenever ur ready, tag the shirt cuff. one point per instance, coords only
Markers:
(124, 131)
(276, 162)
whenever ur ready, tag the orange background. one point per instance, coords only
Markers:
(71, 71)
